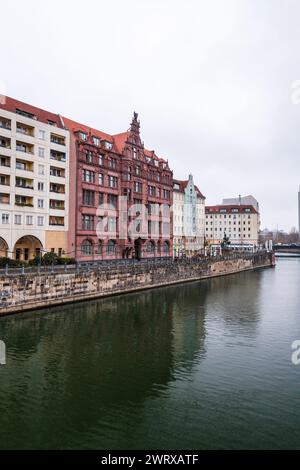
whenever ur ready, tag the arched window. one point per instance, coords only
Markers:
(99, 247)
(166, 247)
(87, 248)
(150, 247)
(111, 247)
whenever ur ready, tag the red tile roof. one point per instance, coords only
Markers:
(74, 126)
(10, 104)
(241, 208)
(183, 185)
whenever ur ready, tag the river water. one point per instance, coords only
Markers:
(205, 365)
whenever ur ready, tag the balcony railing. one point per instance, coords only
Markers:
(24, 149)
(5, 125)
(23, 204)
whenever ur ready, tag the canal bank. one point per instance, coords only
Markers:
(35, 290)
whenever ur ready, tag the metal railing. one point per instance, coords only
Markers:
(123, 264)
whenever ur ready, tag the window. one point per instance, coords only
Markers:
(112, 163)
(100, 199)
(41, 169)
(41, 186)
(99, 247)
(112, 181)
(101, 160)
(166, 194)
(82, 135)
(151, 190)
(112, 224)
(150, 247)
(138, 187)
(89, 157)
(101, 179)
(88, 198)
(40, 221)
(88, 176)
(134, 153)
(29, 220)
(112, 200)
(96, 141)
(5, 218)
(25, 114)
(87, 248)
(41, 203)
(111, 247)
(166, 247)
(87, 222)
(108, 145)
(42, 134)
(18, 219)
(41, 152)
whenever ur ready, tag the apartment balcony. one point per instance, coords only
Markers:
(58, 156)
(25, 129)
(57, 205)
(5, 161)
(24, 165)
(5, 123)
(5, 142)
(4, 198)
(57, 172)
(23, 201)
(57, 188)
(57, 139)
(4, 180)
(56, 221)
(24, 147)
(24, 183)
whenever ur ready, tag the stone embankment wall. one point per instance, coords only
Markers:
(29, 291)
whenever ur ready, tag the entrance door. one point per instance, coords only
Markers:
(137, 248)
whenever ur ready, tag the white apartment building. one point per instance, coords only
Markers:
(188, 218)
(240, 223)
(34, 175)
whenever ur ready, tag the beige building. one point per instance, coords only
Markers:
(239, 222)
(188, 218)
(34, 190)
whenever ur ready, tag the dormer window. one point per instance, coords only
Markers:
(82, 135)
(96, 141)
(25, 114)
(108, 145)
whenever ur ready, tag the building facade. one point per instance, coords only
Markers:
(240, 223)
(188, 218)
(34, 176)
(121, 196)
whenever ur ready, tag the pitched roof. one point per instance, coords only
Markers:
(77, 127)
(12, 105)
(183, 184)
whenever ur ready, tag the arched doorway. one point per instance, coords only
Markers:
(27, 248)
(3, 248)
(138, 248)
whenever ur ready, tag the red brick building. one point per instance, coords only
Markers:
(120, 196)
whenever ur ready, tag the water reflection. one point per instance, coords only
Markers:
(70, 368)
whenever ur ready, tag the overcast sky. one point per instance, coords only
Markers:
(210, 79)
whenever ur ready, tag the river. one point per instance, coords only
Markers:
(204, 365)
